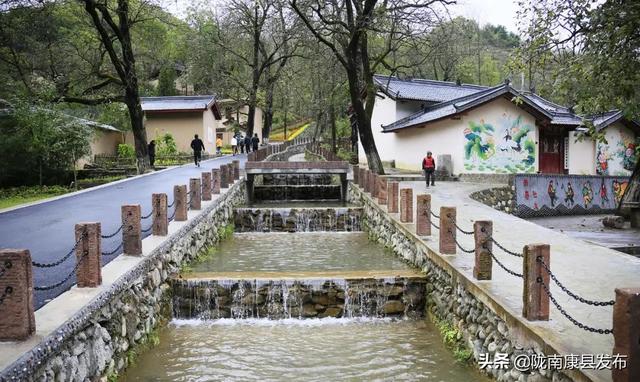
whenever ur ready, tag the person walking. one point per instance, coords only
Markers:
(218, 146)
(247, 143)
(241, 143)
(255, 141)
(197, 146)
(429, 168)
(234, 145)
(151, 149)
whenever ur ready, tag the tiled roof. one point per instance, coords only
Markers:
(176, 103)
(424, 90)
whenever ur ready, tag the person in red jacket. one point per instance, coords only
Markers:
(429, 168)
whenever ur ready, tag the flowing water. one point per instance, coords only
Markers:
(325, 349)
(309, 251)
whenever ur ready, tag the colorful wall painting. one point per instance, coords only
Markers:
(618, 155)
(548, 195)
(506, 146)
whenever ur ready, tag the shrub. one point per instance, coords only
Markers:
(126, 151)
(166, 146)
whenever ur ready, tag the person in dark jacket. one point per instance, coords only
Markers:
(151, 149)
(255, 141)
(197, 145)
(429, 168)
(247, 143)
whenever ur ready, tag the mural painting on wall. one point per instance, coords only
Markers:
(546, 195)
(618, 155)
(508, 147)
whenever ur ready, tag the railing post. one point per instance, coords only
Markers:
(356, 174)
(236, 169)
(626, 333)
(406, 205)
(160, 215)
(131, 229)
(215, 180)
(88, 252)
(423, 215)
(206, 185)
(362, 177)
(195, 193)
(180, 201)
(382, 190)
(17, 321)
(375, 189)
(370, 182)
(223, 176)
(535, 302)
(392, 200)
(482, 231)
(448, 230)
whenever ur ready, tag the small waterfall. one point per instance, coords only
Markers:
(280, 299)
(341, 219)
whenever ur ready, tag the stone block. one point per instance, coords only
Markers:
(160, 214)
(224, 180)
(423, 215)
(180, 201)
(236, 169)
(215, 181)
(356, 174)
(17, 321)
(206, 186)
(447, 230)
(406, 205)
(535, 301)
(131, 229)
(482, 231)
(382, 190)
(88, 251)
(393, 195)
(195, 194)
(626, 333)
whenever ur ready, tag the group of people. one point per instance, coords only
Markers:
(240, 144)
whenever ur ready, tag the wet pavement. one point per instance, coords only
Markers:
(589, 270)
(47, 229)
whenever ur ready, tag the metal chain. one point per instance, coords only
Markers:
(567, 291)
(434, 215)
(173, 215)
(147, 216)
(7, 291)
(434, 225)
(564, 312)
(113, 234)
(148, 229)
(62, 260)
(504, 267)
(463, 231)
(65, 279)
(504, 249)
(172, 203)
(110, 253)
(461, 247)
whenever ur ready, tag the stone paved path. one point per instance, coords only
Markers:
(589, 270)
(47, 229)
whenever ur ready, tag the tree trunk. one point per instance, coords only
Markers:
(255, 77)
(268, 113)
(332, 122)
(139, 132)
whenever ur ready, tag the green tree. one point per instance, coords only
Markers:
(167, 81)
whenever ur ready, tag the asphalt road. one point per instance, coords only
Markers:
(47, 229)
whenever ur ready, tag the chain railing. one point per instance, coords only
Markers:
(434, 215)
(73, 272)
(434, 224)
(512, 253)
(577, 323)
(113, 234)
(509, 271)
(144, 217)
(62, 259)
(463, 231)
(460, 246)
(113, 251)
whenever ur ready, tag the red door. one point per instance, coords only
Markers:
(551, 154)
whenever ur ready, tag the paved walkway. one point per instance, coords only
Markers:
(47, 229)
(589, 270)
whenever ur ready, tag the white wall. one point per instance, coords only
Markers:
(209, 126)
(581, 155)
(406, 108)
(384, 113)
(408, 146)
(616, 157)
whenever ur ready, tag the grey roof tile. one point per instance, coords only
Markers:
(424, 90)
(176, 103)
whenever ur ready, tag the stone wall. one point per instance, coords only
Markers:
(487, 178)
(288, 153)
(449, 300)
(297, 219)
(297, 192)
(500, 198)
(397, 297)
(99, 339)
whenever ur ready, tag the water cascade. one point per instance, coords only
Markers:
(298, 219)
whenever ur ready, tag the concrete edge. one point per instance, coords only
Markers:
(74, 193)
(481, 293)
(51, 343)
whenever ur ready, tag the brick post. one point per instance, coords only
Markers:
(215, 181)
(195, 194)
(88, 254)
(236, 169)
(447, 230)
(482, 231)
(626, 333)
(17, 321)
(206, 186)
(131, 229)
(382, 190)
(365, 181)
(160, 215)
(356, 174)
(180, 200)
(375, 188)
(362, 177)
(535, 302)
(392, 200)
(423, 215)
(224, 182)
(370, 182)
(406, 205)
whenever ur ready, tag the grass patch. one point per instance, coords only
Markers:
(10, 197)
(453, 338)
